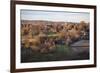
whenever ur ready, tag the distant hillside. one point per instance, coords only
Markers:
(44, 22)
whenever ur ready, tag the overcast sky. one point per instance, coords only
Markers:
(55, 16)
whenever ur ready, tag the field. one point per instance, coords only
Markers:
(60, 54)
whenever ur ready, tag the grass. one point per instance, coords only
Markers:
(51, 33)
(61, 53)
(62, 48)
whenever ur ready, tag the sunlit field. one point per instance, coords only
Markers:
(54, 41)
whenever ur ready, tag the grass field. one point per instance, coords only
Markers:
(61, 53)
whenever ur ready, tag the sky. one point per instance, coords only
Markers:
(55, 16)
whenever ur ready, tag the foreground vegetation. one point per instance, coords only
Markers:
(61, 53)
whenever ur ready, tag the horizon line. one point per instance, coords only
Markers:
(54, 21)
